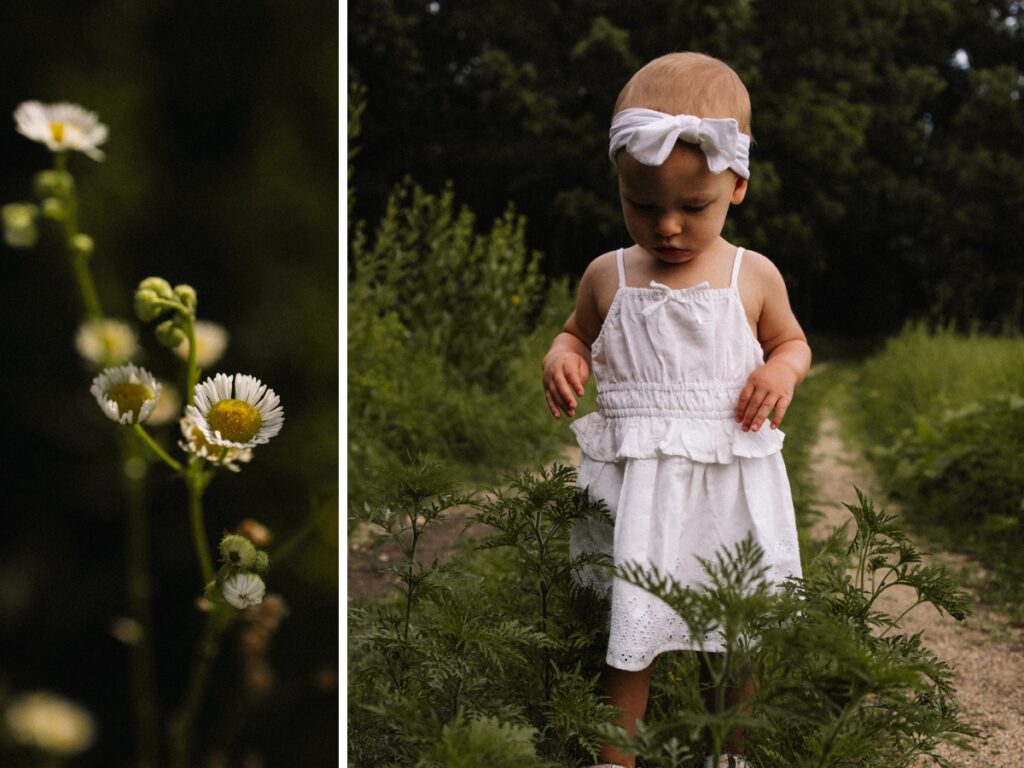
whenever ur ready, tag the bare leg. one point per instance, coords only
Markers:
(736, 694)
(628, 691)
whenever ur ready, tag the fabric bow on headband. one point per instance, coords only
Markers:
(649, 136)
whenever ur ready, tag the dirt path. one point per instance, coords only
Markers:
(985, 650)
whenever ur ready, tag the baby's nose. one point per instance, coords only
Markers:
(668, 224)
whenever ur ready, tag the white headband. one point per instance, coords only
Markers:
(649, 137)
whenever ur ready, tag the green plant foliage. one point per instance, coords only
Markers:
(456, 647)
(446, 329)
(495, 655)
(947, 414)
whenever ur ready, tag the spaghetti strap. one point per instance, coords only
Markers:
(736, 268)
(619, 260)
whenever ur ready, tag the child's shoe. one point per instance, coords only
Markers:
(728, 761)
(607, 765)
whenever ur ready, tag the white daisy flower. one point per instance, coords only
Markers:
(195, 443)
(211, 341)
(127, 394)
(106, 341)
(50, 723)
(244, 590)
(61, 127)
(236, 411)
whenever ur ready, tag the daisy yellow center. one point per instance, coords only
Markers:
(129, 397)
(236, 420)
(57, 129)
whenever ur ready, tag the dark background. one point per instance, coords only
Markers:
(221, 172)
(887, 174)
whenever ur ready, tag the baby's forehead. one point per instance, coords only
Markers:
(684, 172)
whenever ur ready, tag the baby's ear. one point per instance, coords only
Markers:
(740, 190)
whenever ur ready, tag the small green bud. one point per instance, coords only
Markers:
(82, 245)
(262, 561)
(57, 184)
(158, 285)
(186, 295)
(169, 334)
(20, 230)
(146, 307)
(148, 296)
(212, 592)
(54, 209)
(238, 551)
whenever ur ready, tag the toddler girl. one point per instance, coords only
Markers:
(694, 348)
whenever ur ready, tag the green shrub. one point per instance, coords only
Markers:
(446, 330)
(497, 648)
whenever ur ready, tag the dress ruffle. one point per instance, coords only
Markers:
(709, 441)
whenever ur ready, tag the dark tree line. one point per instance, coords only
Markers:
(888, 171)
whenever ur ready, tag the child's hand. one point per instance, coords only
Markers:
(565, 374)
(769, 387)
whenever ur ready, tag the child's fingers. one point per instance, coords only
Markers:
(744, 401)
(762, 413)
(552, 406)
(559, 393)
(582, 372)
(753, 406)
(781, 406)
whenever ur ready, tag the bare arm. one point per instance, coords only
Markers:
(567, 364)
(787, 356)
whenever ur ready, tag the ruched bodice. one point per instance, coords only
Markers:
(669, 366)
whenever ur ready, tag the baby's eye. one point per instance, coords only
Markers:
(640, 206)
(694, 208)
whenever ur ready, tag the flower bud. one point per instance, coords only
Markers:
(58, 184)
(54, 209)
(186, 294)
(212, 592)
(146, 307)
(255, 531)
(158, 285)
(20, 229)
(262, 562)
(148, 297)
(169, 334)
(82, 245)
(238, 551)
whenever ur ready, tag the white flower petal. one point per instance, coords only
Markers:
(125, 374)
(247, 389)
(79, 129)
(244, 590)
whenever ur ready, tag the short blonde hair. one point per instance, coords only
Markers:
(688, 84)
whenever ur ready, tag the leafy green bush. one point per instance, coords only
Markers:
(496, 648)
(446, 329)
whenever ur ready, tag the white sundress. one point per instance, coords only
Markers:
(679, 475)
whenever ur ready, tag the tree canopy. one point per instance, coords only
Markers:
(887, 174)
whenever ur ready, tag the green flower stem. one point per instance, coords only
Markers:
(196, 482)
(147, 715)
(79, 261)
(152, 444)
(86, 286)
(192, 370)
(217, 622)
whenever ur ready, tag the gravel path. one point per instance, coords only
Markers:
(986, 651)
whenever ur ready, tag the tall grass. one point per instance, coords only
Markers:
(923, 372)
(944, 414)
